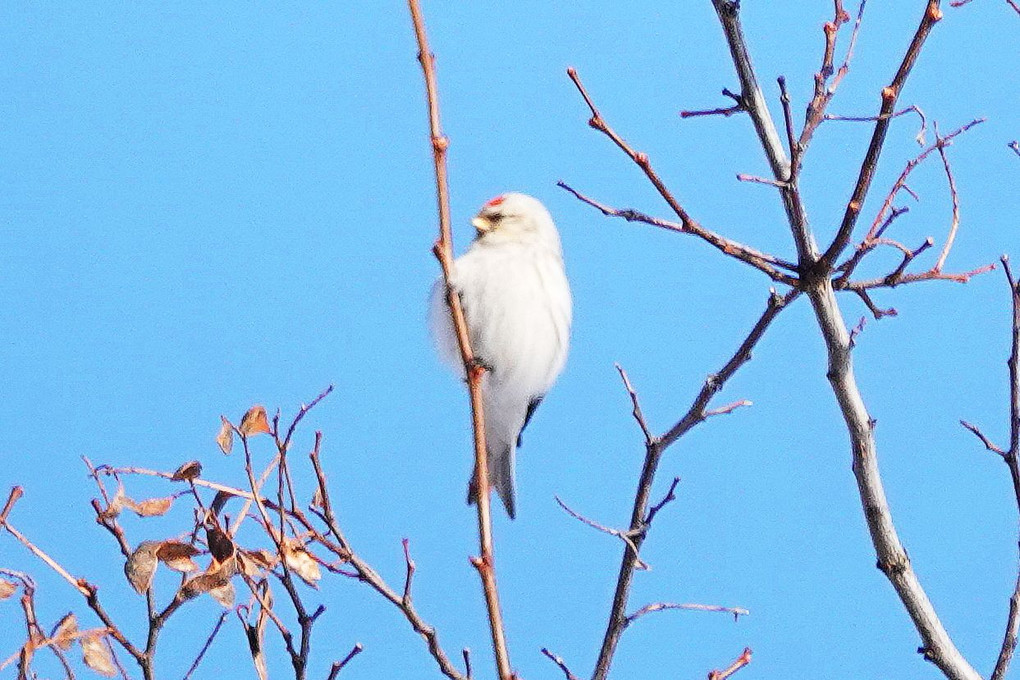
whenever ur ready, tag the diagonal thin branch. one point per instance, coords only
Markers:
(624, 536)
(763, 262)
(560, 663)
(341, 547)
(689, 224)
(640, 514)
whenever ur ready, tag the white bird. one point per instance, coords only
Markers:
(516, 301)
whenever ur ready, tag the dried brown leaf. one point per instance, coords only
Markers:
(251, 562)
(301, 562)
(120, 499)
(153, 507)
(317, 500)
(177, 555)
(220, 545)
(7, 588)
(225, 438)
(64, 632)
(203, 583)
(224, 594)
(140, 568)
(190, 470)
(97, 655)
(254, 422)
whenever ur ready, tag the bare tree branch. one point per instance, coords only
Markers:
(890, 94)
(654, 449)
(1012, 459)
(763, 262)
(443, 250)
(754, 101)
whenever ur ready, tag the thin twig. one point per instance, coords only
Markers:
(668, 498)
(920, 137)
(443, 251)
(741, 661)
(342, 548)
(726, 111)
(208, 643)
(764, 262)
(636, 411)
(558, 660)
(955, 224)
(737, 612)
(989, 444)
(622, 535)
(338, 666)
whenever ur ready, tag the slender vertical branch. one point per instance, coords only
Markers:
(443, 250)
(754, 102)
(1012, 459)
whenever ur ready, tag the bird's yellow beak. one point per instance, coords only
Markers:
(481, 224)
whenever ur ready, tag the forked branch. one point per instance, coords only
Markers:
(641, 515)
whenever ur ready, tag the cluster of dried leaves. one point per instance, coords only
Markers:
(208, 555)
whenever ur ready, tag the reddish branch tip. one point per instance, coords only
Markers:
(441, 143)
(571, 71)
(829, 28)
(888, 93)
(934, 13)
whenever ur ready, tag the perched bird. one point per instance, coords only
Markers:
(516, 301)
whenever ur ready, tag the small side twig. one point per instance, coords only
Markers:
(558, 660)
(208, 643)
(338, 666)
(737, 612)
(725, 111)
(741, 661)
(624, 536)
(636, 411)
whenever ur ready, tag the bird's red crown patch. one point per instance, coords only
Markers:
(493, 202)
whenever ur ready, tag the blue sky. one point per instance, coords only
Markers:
(208, 207)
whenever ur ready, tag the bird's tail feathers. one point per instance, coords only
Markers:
(501, 478)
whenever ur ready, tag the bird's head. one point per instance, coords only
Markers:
(516, 218)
